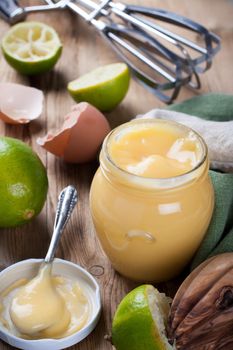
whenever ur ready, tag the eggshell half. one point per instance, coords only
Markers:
(80, 136)
(19, 104)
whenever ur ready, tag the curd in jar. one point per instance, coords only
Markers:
(152, 198)
(45, 307)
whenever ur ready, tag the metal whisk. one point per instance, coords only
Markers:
(161, 59)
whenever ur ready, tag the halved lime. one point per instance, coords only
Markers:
(103, 87)
(31, 47)
(140, 321)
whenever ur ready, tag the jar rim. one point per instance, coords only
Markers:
(154, 181)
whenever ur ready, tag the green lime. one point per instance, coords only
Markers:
(31, 47)
(140, 320)
(103, 87)
(23, 183)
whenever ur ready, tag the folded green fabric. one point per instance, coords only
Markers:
(211, 106)
(219, 237)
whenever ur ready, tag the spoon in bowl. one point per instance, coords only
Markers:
(38, 307)
(66, 203)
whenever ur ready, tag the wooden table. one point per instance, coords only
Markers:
(84, 50)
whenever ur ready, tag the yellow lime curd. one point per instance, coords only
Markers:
(45, 307)
(152, 198)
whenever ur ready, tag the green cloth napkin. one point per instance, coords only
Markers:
(217, 107)
(219, 237)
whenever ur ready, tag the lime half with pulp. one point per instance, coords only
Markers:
(31, 47)
(140, 321)
(104, 87)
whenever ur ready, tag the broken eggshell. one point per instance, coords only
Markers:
(19, 104)
(80, 136)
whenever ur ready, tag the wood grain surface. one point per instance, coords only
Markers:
(84, 50)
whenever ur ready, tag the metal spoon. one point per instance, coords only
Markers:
(66, 203)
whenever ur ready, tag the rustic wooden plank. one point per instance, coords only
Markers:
(84, 50)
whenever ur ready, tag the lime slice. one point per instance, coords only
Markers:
(103, 87)
(31, 47)
(140, 321)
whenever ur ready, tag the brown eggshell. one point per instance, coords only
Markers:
(19, 104)
(80, 136)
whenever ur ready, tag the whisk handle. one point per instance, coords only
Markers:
(10, 11)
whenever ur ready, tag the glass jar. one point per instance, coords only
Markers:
(150, 228)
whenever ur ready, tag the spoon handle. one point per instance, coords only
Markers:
(66, 203)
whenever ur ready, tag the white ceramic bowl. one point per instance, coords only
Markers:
(28, 269)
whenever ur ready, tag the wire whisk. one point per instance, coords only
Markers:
(147, 39)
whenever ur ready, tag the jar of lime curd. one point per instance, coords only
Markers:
(151, 198)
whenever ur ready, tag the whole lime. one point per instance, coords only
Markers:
(23, 183)
(140, 321)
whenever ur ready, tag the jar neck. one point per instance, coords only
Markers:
(116, 174)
